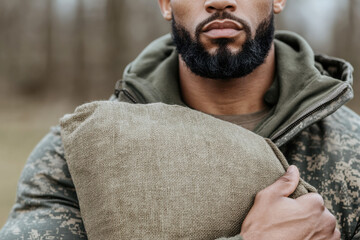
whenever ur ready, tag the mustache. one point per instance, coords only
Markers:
(222, 16)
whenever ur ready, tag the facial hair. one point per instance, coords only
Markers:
(224, 64)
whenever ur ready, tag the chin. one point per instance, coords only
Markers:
(231, 45)
(234, 50)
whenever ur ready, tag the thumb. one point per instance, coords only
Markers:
(286, 184)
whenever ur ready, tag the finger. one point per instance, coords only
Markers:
(286, 184)
(336, 235)
(312, 200)
(330, 220)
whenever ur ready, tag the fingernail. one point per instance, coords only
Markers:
(291, 169)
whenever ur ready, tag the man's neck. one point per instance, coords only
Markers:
(228, 97)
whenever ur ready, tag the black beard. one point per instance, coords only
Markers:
(224, 64)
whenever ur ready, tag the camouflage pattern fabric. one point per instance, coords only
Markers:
(46, 205)
(328, 156)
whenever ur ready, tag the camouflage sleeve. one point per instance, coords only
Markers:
(357, 233)
(46, 203)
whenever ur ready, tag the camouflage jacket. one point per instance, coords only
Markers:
(308, 122)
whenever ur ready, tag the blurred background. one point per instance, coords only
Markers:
(57, 54)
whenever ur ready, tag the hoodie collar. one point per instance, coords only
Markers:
(307, 88)
(154, 75)
(303, 83)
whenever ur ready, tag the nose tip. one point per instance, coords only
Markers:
(212, 6)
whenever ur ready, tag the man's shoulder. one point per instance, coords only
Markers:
(46, 169)
(343, 122)
(339, 132)
(51, 144)
(46, 202)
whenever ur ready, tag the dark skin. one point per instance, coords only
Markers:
(274, 215)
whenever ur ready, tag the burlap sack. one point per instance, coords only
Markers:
(165, 172)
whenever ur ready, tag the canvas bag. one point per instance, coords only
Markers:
(158, 171)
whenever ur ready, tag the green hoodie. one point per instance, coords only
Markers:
(303, 86)
(307, 122)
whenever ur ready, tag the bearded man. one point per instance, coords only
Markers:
(224, 59)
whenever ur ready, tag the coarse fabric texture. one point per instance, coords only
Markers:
(156, 171)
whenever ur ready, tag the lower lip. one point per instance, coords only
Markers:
(222, 33)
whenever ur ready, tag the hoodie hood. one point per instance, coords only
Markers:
(306, 89)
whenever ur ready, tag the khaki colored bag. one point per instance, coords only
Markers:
(157, 171)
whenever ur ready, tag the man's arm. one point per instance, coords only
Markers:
(46, 205)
